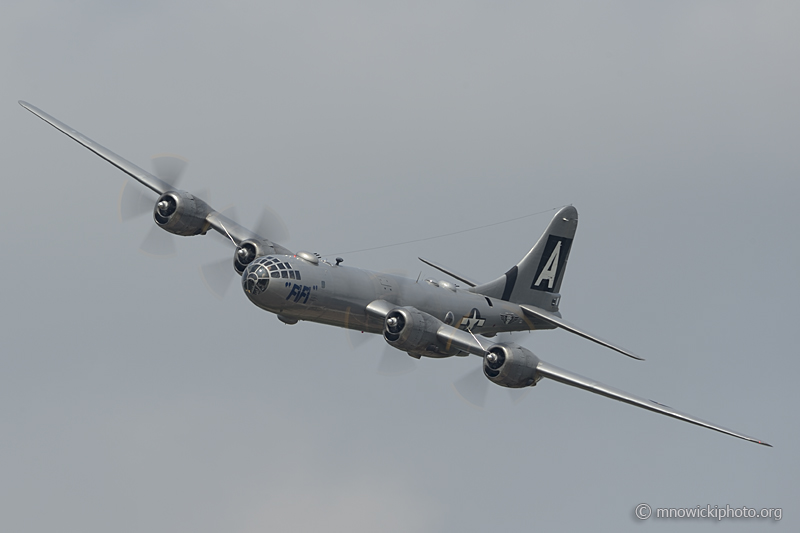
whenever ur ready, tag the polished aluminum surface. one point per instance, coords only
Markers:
(432, 319)
(555, 373)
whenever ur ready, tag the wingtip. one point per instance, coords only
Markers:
(764, 443)
(625, 352)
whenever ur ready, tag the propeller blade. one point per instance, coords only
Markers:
(169, 167)
(356, 339)
(395, 363)
(517, 395)
(217, 276)
(473, 387)
(158, 243)
(134, 202)
(271, 226)
(204, 194)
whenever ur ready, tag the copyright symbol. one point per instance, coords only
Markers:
(643, 511)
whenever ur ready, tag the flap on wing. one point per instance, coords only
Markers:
(559, 322)
(555, 373)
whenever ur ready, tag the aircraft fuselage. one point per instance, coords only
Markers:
(338, 295)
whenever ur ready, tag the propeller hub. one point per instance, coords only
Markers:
(245, 254)
(166, 207)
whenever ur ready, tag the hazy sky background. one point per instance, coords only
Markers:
(133, 400)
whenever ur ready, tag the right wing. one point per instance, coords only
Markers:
(559, 322)
(555, 373)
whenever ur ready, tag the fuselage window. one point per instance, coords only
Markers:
(297, 274)
(276, 274)
(322, 284)
(284, 274)
(291, 274)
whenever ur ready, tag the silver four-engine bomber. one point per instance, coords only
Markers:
(423, 318)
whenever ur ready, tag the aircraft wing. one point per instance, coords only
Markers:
(139, 174)
(559, 322)
(449, 272)
(555, 373)
(219, 222)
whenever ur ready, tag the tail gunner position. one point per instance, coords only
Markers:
(424, 319)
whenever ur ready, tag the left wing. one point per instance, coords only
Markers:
(449, 272)
(221, 223)
(555, 373)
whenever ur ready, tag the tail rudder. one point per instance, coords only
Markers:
(536, 279)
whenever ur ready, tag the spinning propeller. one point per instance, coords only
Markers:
(135, 202)
(473, 386)
(217, 275)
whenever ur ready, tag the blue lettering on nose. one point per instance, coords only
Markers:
(299, 292)
(294, 292)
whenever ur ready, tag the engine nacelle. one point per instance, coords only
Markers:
(181, 213)
(511, 366)
(411, 330)
(248, 250)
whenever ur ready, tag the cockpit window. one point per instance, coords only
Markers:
(255, 279)
(257, 275)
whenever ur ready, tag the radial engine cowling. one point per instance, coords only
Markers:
(411, 330)
(511, 366)
(181, 213)
(248, 250)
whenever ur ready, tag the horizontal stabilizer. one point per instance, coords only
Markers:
(449, 272)
(559, 322)
(574, 380)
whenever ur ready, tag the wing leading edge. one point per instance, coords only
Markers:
(219, 222)
(555, 373)
(139, 174)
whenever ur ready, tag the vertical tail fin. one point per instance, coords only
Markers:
(536, 280)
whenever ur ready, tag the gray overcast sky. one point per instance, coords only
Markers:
(133, 400)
